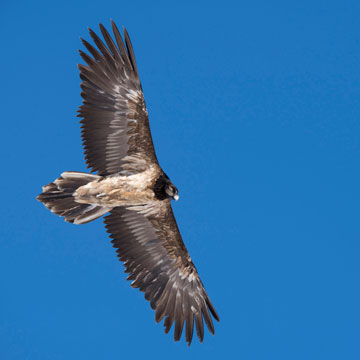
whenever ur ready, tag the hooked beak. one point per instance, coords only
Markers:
(176, 197)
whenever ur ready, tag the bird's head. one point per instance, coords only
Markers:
(172, 191)
(164, 188)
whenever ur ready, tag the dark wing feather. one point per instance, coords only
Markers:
(149, 243)
(115, 125)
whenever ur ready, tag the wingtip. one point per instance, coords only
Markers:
(126, 34)
(113, 24)
(84, 42)
(215, 314)
(92, 32)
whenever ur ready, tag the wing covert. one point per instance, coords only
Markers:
(149, 243)
(115, 125)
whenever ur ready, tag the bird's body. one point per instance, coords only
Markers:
(132, 187)
(120, 190)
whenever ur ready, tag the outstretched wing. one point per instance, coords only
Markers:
(115, 124)
(149, 243)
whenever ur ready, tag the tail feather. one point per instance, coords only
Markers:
(58, 198)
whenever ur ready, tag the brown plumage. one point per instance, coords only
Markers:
(132, 187)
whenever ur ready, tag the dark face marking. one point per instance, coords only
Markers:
(164, 188)
(171, 190)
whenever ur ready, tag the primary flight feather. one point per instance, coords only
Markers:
(131, 186)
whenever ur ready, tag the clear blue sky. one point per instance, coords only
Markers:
(254, 109)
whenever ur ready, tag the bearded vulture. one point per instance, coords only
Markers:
(130, 185)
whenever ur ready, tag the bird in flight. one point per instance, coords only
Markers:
(130, 185)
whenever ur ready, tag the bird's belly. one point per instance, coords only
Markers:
(116, 191)
(119, 197)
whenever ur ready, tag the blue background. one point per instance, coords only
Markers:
(254, 110)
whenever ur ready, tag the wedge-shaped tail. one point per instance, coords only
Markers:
(58, 197)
